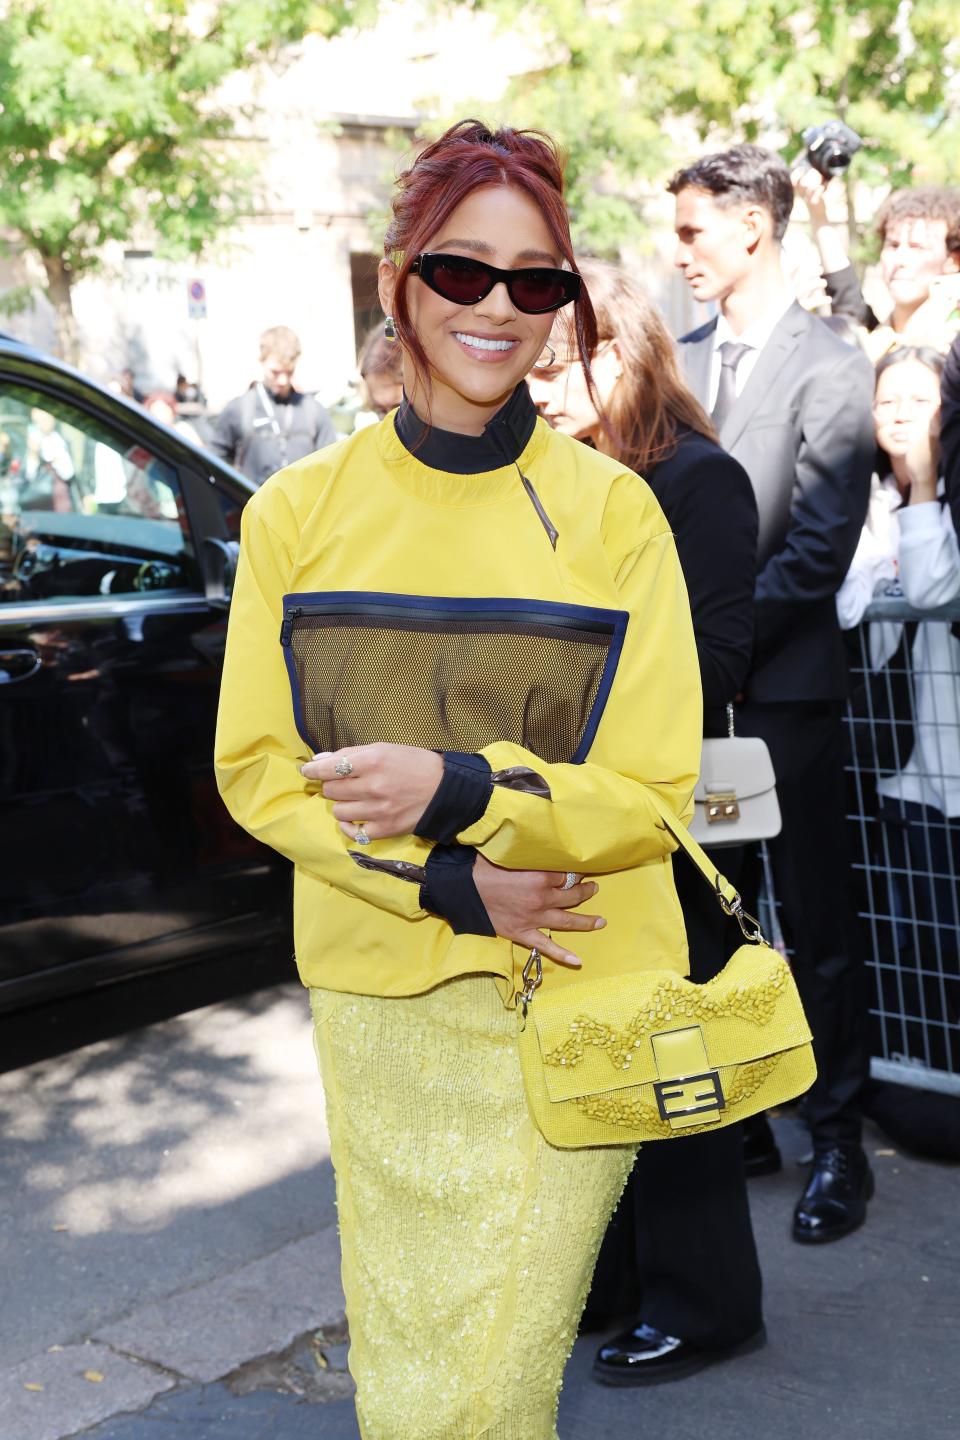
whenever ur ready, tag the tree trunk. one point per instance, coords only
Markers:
(59, 293)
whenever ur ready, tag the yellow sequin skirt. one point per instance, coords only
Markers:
(468, 1242)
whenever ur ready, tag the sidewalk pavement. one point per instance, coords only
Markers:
(170, 1265)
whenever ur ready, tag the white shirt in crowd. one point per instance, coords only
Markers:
(755, 335)
(919, 543)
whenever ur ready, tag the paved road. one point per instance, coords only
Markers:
(169, 1266)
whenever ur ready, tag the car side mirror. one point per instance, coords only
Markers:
(219, 570)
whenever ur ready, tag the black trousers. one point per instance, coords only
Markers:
(813, 883)
(679, 1252)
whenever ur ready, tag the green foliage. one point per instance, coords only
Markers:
(633, 88)
(110, 119)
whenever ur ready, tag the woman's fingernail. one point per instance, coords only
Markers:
(599, 923)
(575, 961)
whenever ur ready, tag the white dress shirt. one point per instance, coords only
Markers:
(929, 563)
(755, 335)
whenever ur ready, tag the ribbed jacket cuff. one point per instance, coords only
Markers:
(459, 800)
(450, 891)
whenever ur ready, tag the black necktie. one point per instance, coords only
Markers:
(731, 353)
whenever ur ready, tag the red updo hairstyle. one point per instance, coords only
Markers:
(468, 157)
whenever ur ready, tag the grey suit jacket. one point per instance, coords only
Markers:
(802, 429)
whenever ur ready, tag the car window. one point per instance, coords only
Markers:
(231, 508)
(83, 512)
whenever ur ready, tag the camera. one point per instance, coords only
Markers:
(831, 147)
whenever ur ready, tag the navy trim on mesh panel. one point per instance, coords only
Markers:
(451, 893)
(299, 718)
(371, 602)
(353, 602)
(604, 688)
(460, 799)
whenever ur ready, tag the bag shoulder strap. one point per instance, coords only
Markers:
(727, 896)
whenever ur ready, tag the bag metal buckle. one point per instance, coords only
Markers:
(699, 1103)
(684, 1070)
(721, 806)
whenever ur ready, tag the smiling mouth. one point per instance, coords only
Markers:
(483, 346)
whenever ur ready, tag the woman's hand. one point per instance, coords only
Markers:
(923, 453)
(386, 789)
(522, 904)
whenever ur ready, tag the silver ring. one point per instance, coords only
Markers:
(572, 879)
(361, 837)
(343, 768)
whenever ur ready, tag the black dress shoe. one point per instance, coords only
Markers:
(835, 1200)
(761, 1154)
(645, 1356)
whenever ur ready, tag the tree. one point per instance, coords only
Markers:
(634, 87)
(110, 121)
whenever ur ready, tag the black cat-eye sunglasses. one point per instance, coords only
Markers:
(534, 290)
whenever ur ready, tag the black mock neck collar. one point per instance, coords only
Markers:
(504, 438)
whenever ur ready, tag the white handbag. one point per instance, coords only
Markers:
(735, 800)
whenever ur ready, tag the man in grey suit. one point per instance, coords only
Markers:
(792, 403)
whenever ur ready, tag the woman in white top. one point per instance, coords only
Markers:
(909, 537)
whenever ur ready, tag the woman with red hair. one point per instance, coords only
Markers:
(460, 677)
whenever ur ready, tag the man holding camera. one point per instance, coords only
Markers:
(919, 232)
(792, 402)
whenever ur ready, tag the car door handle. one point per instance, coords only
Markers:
(17, 665)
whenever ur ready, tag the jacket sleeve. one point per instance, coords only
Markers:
(225, 439)
(714, 520)
(601, 815)
(258, 751)
(831, 490)
(929, 556)
(846, 297)
(870, 567)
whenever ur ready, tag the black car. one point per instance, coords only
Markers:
(117, 543)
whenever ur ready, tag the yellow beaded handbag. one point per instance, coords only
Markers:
(649, 1055)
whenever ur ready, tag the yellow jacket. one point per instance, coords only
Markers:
(539, 601)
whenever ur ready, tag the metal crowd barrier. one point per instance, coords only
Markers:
(906, 856)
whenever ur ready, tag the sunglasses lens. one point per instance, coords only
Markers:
(538, 293)
(464, 283)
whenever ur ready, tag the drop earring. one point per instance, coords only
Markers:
(389, 329)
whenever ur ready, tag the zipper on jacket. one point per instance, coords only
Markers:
(537, 503)
(393, 611)
(289, 619)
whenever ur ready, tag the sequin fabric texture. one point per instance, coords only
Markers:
(468, 1242)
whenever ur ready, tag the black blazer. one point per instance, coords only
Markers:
(803, 431)
(708, 501)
